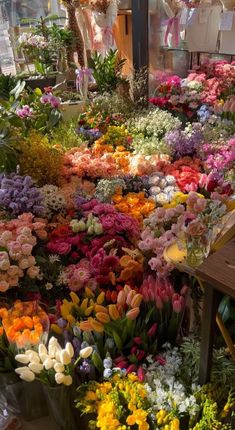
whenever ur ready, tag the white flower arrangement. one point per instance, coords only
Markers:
(51, 358)
(53, 200)
(165, 390)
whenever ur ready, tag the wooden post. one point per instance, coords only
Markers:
(140, 35)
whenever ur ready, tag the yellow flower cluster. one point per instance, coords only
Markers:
(165, 421)
(119, 403)
(179, 199)
(38, 159)
(91, 313)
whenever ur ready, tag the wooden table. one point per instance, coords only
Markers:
(218, 275)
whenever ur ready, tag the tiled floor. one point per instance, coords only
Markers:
(42, 424)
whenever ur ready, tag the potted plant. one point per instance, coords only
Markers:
(45, 47)
(71, 104)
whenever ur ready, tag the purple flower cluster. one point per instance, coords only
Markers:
(185, 142)
(136, 183)
(91, 134)
(24, 112)
(18, 195)
(220, 157)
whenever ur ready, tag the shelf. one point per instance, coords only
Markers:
(125, 12)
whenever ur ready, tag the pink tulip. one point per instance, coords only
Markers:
(131, 369)
(141, 374)
(141, 354)
(160, 360)
(177, 308)
(133, 313)
(153, 330)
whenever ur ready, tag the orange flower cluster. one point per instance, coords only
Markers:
(131, 266)
(134, 204)
(24, 324)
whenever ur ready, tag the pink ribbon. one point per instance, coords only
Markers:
(81, 73)
(108, 36)
(173, 28)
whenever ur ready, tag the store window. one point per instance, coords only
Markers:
(183, 34)
(11, 14)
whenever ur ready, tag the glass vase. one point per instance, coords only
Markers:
(197, 249)
(24, 398)
(62, 409)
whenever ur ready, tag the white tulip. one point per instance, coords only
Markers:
(27, 375)
(65, 357)
(59, 378)
(57, 355)
(69, 349)
(86, 352)
(58, 367)
(22, 358)
(34, 357)
(42, 350)
(44, 357)
(67, 380)
(52, 346)
(19, 370)
(36, 367)
(48, 363)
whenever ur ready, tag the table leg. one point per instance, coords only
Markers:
(210, 307)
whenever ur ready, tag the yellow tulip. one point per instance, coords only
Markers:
(113, 312)
(84, 305)
(74, 297)
(100, 308)
(89, 293)
(88, 311)
(97, 326)
(100, 298)
(56, 329)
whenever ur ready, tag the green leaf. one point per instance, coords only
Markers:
(97, 361)
(117, 340)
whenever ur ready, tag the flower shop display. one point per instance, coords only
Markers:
(93, 310)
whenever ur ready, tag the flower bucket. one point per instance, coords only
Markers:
(41, 83)
(61, 407)
(26, 399)
(71, 110)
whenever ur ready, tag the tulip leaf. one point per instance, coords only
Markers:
(98, 363)
(117, 340)
(224, 308)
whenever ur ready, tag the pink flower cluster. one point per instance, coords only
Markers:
(220, 157)
(145, 165)
(161, 293)
(50, 99)
(24, 112)
(161, 231)
(17, 239)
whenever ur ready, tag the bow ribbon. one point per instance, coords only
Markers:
(173, 28)
(81, 74)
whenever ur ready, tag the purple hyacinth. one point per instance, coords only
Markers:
(18, 195)
(91, 134)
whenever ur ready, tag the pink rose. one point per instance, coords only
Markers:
(33, 272)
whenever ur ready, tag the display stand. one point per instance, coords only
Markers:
(218, 274)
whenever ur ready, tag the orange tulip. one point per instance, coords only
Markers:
(103, 317)
(100, 308)
(85, 325)
(113, 312)
(100, 298)
(136, 301)
(97, 326)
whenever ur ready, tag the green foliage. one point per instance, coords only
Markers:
(7, 84)
(8, 155)
(107, 70)
(223, 369)
(65, 137)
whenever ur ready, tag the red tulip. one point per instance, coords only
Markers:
(141, 374)
(152, 331)
(131, 368)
